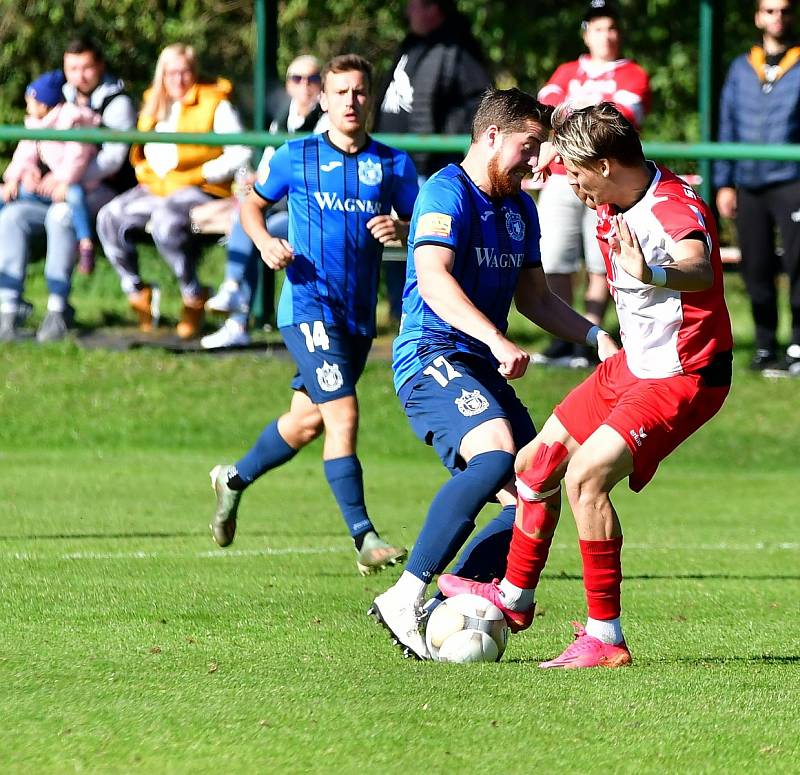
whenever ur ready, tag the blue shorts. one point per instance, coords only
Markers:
(329, 359)
(455, 393)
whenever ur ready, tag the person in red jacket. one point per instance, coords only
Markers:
(568, 226)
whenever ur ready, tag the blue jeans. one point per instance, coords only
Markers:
(242, 262)
(21, 223)
(76, 199)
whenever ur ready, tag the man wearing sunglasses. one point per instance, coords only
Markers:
(760, 103)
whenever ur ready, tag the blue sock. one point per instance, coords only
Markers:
(451, 516)
(269, 451)
(485, 556)
(346, 479)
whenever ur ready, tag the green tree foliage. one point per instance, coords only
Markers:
(524, 41)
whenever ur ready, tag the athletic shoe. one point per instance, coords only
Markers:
(192, 315)
(55, 325)
(403, 620)
(587, 651)
(146, 303)
(231, 334)
(788, 366)
(456, 585)
(563, 354)
(375, 554)
(8, 327)
(228, 299)
(223, 526)
(764, 359)
(24, 311)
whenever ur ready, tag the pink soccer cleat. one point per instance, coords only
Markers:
(456, 585)
(587, 651)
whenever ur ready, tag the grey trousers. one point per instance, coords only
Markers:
(22, 222)
(120, 220)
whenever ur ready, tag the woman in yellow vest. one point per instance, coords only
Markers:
(172, 179)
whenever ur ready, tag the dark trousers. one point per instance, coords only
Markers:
(760, 212)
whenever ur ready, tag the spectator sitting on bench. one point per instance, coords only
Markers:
(172, 179)
(300, 113)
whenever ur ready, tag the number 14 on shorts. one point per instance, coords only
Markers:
(315, 335)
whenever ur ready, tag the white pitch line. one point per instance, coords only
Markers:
(215, 554)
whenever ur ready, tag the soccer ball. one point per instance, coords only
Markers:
(466, 628)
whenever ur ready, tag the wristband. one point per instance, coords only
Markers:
(659, 278)
(591, 335)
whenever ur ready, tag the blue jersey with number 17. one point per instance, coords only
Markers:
(332, 196)
(493, 239)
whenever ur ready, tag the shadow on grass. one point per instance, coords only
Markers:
(687, 577)
(762, 659)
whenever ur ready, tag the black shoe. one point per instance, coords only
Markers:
(788, 366)
(764, 359)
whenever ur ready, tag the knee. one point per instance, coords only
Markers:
(344, 421)
(307, 428)
(167, 225)
(59, 217)
(583, 483)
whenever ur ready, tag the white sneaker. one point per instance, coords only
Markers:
(232, 334)
(404, 622)
(229, 298)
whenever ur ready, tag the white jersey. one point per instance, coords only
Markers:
(666, 332)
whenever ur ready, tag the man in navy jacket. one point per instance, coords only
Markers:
(760, 103)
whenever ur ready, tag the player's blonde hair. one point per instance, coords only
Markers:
(585, 135)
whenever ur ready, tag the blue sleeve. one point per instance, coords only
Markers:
(274, 184)
(407, 188)
(438, 214)
(533, 251)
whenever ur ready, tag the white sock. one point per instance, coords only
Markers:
(410, 587)
(608, 631)
(56, 303)
(516, 598)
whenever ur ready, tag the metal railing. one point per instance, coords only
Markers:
(430, 143)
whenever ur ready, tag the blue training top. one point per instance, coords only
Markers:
(332, 196)
(493, 240)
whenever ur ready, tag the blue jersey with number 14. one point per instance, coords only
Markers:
(332, 197)
(493, 239)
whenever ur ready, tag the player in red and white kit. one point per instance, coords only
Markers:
(673, 374)
(568, 227)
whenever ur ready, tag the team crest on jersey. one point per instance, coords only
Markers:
(329, 377)
(470, 404)
(370, 173)
(515, 225)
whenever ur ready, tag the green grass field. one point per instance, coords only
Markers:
(130, 643)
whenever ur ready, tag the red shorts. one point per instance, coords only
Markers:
(653, 415)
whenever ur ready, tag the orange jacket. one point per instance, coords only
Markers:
(196, 115)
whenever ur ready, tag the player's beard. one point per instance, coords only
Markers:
(501, 182)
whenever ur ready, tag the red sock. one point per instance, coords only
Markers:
(602, 577)
(526, 559)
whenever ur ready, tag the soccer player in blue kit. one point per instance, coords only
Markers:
(342, 186)
(473, 247)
